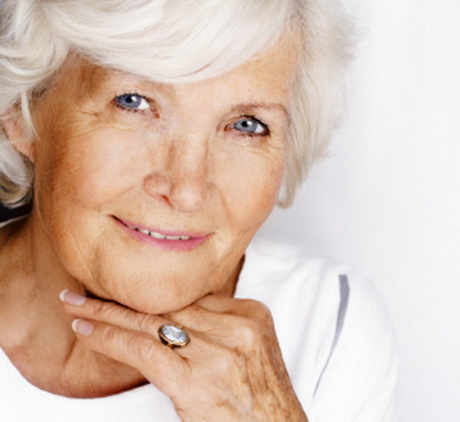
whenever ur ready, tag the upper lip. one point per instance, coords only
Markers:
(174, 233)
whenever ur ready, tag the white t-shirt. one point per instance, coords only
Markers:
(334, 335)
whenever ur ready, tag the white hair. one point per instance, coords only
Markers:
(172, 41)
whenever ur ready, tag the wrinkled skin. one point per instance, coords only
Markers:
(232, 370)
(204, 158)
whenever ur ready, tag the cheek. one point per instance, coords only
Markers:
(87, 166)
(251, 185)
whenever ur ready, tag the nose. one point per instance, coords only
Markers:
(182, 179)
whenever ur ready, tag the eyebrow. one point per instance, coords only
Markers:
(249, 107)
(238, 108)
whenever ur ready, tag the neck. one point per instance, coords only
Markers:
(35, 331)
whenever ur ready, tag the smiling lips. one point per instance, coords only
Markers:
(174, 241)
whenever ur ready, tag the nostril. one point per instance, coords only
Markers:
(157, 185)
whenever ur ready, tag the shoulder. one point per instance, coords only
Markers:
(361, 372)
(331, 304)
(279, 259)
(277, 266)
(333, 329)
(273, 269)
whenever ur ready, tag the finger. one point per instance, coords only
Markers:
(161, 366)
(205, 321)
(110, 313)
(233, 332)
(243, 307)
(113, 314)
(218, 303)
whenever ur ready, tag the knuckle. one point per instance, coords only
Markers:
(259, 311)
(133, 348)
(248, 333)
(254, 309)
(143, 348)
(264, 315)
(254, 329)
(146, 322)
(101, 309)
(107, 337)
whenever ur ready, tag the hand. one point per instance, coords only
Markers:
(232, 369)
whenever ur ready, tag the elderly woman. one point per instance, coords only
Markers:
(152, 139)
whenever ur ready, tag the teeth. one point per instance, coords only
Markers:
(161, 236)
(173, 237)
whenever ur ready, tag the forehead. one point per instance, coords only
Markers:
(273, 70)
(276, 65)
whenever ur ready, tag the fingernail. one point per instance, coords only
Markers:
(82, 327)
(71, 297)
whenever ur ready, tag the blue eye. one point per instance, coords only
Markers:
(250, 126)
(132, 102)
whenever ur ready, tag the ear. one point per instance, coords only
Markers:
(13, 126)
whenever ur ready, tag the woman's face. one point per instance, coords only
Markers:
(150, 193)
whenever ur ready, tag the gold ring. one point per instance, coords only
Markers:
(173, 336)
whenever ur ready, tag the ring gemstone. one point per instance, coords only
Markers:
(173, 336)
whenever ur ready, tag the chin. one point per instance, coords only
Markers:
(155, 303)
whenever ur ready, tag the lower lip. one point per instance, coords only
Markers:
(165, 244)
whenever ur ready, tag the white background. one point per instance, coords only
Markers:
(387, 200)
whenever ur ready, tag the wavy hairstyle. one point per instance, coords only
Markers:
(172, 41)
